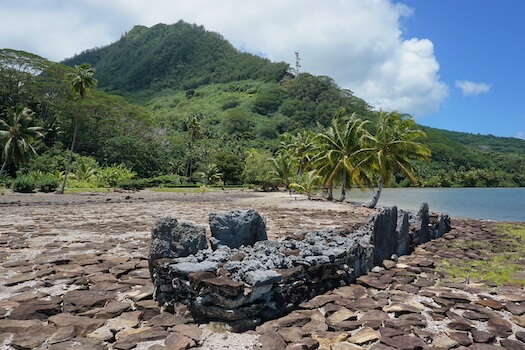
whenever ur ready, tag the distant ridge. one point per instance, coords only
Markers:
(177, 56)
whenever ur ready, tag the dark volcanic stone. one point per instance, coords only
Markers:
(84, 300)
(499, 327)
(404, 342)
(237, 228)
(512, 344)
(461, 337)
(37, 309)
(78, 344)
(482, 337)
(304, 344)
(272, 340)
(493, 304)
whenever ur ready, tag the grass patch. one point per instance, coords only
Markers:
(75, 190)
(185, 189)
(503, 259)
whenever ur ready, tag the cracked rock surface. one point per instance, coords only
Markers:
(74, 274)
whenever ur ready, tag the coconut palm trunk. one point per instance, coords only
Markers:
(70, 156)
(373, 201)
(3, 167)
(343, 187)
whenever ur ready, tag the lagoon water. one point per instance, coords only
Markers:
(499, 204)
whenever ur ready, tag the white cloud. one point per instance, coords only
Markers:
(520, 135)
(357, 42)
(470, 88)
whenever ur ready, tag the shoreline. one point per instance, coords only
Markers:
(80, 261)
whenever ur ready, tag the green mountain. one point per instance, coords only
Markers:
(170, 75)
(179, 56)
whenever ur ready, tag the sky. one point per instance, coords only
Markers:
(452, 64)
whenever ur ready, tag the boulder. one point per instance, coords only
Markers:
(237, 228)
(171, 239)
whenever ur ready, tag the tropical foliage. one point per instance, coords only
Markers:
(18, 134)
(188, 100)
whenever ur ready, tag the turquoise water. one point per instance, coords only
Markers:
(500, 204)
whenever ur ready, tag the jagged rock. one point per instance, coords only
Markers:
(364, 335)
(33, 337)
(170, 239)
(493, 304)
(346, 346)
(384, 235)
(499, 326)
(84, 300)
(510, 344)
(127, 339)
(304, 344)
(83, 325)
(78, 344)
(327, 339)
(291, 334)
(341, 315)
(36, 309)
(272, 340)
(404, 342)
(443, 342)
(237, 228)
(191, 331)
(482, 337)
(178, 341)
(62, 334)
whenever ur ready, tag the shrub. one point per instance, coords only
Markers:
(48, 183)
(24, 184)
(113, 175)
(158, 181)
(134, 184)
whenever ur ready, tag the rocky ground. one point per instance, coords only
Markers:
(74, 274)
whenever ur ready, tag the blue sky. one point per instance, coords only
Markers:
(452, 64)
(479, 41)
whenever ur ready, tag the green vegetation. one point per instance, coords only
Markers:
(177, 105)
(81, 82)
(502, 261)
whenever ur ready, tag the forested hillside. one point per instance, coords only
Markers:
(180, 56)
(176, 104)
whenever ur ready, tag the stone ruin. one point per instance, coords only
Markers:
(245, 279)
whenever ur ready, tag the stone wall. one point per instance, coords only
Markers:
(246, 279)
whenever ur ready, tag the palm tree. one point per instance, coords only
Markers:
(19, 134)
(339, 144)
(308, 183)
(81, 82)
(210, 174)
(283, 169)
(391, 149)
(301, 147)
(194, 128)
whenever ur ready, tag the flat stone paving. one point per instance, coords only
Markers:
(74, 274)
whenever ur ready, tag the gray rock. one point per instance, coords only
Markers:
(185, 268)
(262, 277)
(237, 228)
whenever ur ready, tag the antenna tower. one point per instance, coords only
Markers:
(297, 64)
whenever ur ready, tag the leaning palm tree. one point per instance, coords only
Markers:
(391, 150)
(339, 144)
(81, 82)
(19, 134)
